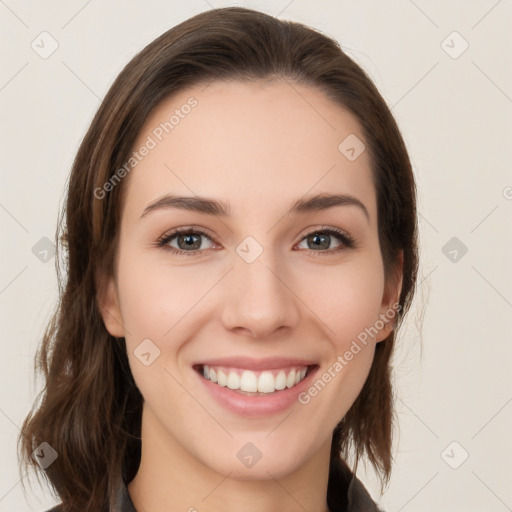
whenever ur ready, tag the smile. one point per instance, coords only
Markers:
(255, 388)
(255, 382)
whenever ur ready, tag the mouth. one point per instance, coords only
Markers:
(255, 383)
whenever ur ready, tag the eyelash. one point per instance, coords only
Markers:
(347, 242)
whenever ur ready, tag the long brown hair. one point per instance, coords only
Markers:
(90, 409)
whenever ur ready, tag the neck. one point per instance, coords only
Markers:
(171, 478)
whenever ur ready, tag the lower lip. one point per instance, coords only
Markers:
(252, 406)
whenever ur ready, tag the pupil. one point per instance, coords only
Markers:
(318, 238)
(189, 241)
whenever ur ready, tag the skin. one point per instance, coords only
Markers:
(257, 147)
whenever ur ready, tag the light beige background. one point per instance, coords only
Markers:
(456, 117)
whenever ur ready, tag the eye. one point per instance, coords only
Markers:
(189, 241)
(321, 239)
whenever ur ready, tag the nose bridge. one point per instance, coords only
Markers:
(258, 298)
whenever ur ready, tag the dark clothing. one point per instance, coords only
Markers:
(345, 493)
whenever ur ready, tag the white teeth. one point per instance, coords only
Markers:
(290, 380)
(281, 380)
(248, 381)
(266, 383)
(222, 379)
(233, 380)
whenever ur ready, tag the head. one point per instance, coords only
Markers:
(261, 109)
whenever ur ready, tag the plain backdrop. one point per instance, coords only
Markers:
(445, 69)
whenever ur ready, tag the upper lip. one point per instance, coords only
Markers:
(249, 363)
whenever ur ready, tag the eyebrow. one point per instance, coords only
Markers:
(316, 203)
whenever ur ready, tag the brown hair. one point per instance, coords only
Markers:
(90, 408)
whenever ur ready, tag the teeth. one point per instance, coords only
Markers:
(222, 378)
(248, 381)
(290, 380)
(281, 380)
(266, 383)
(233, 381)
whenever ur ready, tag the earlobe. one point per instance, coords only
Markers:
(390, 300)
(385, 331)
(108, 305)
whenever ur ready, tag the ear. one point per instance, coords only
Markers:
(108, 303)
(389, 306)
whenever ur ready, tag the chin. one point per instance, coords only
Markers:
(275, 464)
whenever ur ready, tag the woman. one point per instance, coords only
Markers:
(241, 237)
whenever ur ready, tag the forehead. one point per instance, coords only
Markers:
(250, 144)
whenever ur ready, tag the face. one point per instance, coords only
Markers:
(266, 295)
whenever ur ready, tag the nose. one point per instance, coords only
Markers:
(259, 298)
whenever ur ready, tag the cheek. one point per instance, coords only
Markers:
(162, 305)
(345, 299)
(154, 297)
(339, 381)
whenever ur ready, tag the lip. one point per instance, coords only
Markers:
(255, 406)
(249, 363)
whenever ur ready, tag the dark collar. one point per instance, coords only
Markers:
(346, 493)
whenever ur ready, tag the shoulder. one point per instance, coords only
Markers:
(346, 492)
(57, 508)
(359, 498)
